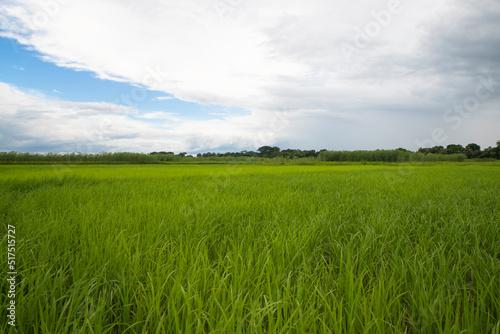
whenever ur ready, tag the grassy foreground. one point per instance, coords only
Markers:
(253, 249)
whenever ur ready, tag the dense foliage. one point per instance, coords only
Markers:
(471, 150)
(387, 156)
(120, 157)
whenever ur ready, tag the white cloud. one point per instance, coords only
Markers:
(36, 122)
(204, 58)
(268, 56)
(162, 98)
(32, 122)
(159, 115)
(29, 120)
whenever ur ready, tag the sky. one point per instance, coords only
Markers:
(231, 75)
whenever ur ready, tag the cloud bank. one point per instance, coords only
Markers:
(322, 74)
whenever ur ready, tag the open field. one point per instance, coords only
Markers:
(253, 249)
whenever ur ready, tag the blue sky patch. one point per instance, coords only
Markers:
(26, 70)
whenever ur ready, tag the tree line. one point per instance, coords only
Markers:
(472, 151)
(264, 152)
(105, 158)
(452, 152)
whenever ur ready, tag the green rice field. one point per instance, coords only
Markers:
(252, 248)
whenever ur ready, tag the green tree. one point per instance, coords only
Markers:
(268, 151)
(455, 149)
(437, 150)
(473, 150)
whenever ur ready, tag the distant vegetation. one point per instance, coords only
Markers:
(452, 152)
(388, 156)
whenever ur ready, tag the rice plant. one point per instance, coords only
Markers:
(253, 249)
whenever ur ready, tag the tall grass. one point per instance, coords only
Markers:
(254, 249)
(388, 156)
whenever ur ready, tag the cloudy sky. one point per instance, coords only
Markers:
(232, 75)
